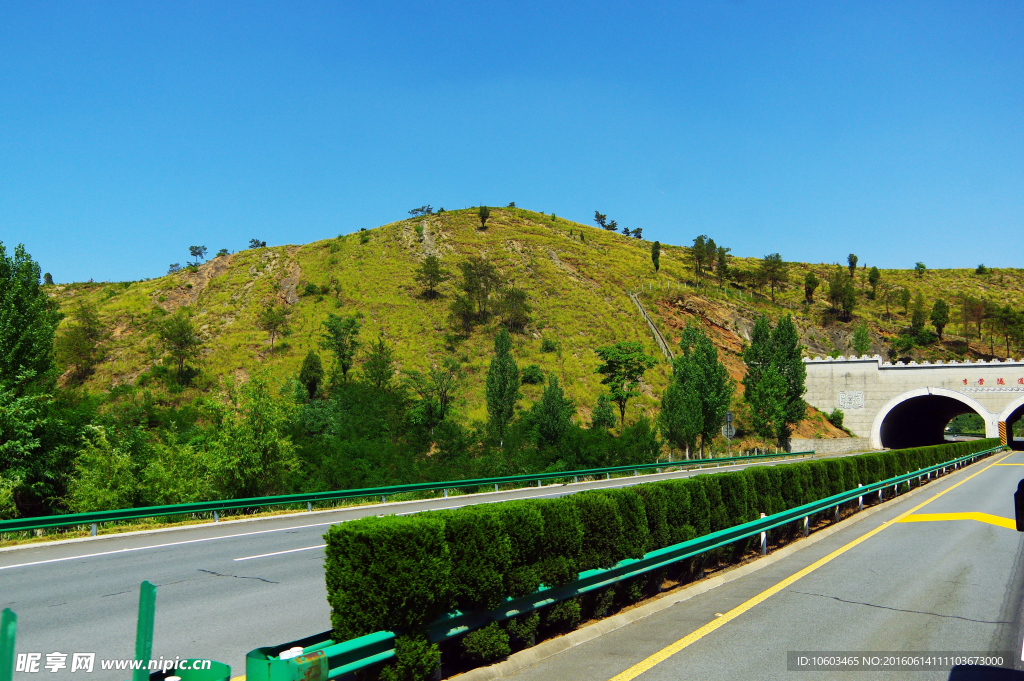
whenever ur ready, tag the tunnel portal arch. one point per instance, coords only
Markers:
(1013, 412)
(918, 417)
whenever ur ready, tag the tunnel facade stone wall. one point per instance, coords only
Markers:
(902, 403)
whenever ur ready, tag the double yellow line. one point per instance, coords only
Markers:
(667, 652)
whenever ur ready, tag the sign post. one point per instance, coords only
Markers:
(728, 430)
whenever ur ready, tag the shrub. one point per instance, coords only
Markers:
(561, 542)
(532, 375)
(563, 615)
(386, 573)
(487, 644)
(655, 498)
(480, 557)
(735, 498)
(523, 629)
(634, 522)
(524, 526)
(548, 345)
(602, 529)
(311, 290)
(835, 417)
(718, 516)
(416, 659)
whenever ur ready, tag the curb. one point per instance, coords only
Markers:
(542, 651)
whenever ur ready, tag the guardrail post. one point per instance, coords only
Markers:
(764, 541)
(445, 492)
(635, 473)
(216, 517)
(144, 630)
(607, 476)
(540, 483)
(575, 478)
(495, 487)
(93, 530)
(836, 517)
(383, 499)
(8, 629)
(880, 495)
(309, 507)
(860, 500)
(807, 530)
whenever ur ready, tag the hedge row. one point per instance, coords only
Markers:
(400, 573)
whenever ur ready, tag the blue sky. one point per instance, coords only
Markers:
(130, 131)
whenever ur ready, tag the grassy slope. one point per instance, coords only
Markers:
(577, 288)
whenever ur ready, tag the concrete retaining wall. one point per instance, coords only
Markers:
(833, 445)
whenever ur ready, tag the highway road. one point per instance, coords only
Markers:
(223, 589)
(938, 571)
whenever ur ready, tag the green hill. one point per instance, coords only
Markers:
(577, 278)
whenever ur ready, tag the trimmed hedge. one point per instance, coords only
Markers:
(400, 573)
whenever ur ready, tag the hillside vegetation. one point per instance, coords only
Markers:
(576, 278)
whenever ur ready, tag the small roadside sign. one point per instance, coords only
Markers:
(728, 431)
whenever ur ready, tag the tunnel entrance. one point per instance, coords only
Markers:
(920, 421)
(1015, 429)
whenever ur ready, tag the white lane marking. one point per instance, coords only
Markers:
(160, 546)
(279, 553)
(1022, 652)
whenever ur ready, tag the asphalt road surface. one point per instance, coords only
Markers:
(223, 589)
(947, 575)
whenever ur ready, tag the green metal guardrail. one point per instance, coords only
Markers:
(309, 498)
(322, 658)
(217, 671)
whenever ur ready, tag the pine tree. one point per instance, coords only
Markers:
(502, 386)
(430, 275)
(919, 316)
(379, 367)
(940, 316)
(656, 255)
(311, 375)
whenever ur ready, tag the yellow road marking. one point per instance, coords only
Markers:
(970, 515)
(1008, 464)
(667, 652)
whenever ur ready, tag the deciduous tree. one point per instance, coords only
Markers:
(341, 337)
(851, 261)
(624, 364)
(28, 320)
(484, 213)
(774, 385)
(552, 413)
(502, 385)
(656, 255)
